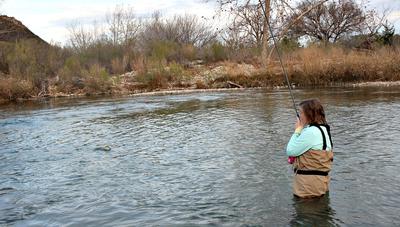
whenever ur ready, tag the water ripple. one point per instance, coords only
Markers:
(194, 159)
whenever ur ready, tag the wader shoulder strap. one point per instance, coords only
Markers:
(323, 135)
(329, 134)
(328, 129)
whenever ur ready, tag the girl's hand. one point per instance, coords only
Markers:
(298, 126)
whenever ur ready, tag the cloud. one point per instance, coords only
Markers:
(49, 18)
(394, 16)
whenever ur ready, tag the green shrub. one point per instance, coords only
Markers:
(216, 52)
(97, 79)
(35, 62)
(25, 62)
(176, 72)
(70, 76)
(289, 45)
(163, 51)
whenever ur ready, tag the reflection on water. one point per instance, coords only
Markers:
(313, 212)
(195, 159)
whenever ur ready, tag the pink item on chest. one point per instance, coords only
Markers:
(291, 159)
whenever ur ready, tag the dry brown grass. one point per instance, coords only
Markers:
(319, 66)
(312, 66)
(12, 88)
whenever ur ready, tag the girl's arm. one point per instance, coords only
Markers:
(300, 142)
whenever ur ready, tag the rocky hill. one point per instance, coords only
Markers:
(12, 30)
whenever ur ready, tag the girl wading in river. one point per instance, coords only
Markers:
(310, 151)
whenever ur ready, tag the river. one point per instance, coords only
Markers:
(210, 158)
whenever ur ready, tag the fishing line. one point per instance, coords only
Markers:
(280, 58)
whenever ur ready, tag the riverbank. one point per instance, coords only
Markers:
(306, 67)
(377, 84)
(174, 91)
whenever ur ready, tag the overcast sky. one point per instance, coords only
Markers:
(50, 18)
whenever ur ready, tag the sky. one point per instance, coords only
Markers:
(50, 19)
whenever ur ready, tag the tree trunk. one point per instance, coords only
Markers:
(264, 51)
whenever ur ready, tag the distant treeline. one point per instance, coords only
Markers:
(162, 50)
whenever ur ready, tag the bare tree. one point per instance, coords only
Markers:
(233, 37)
(248, 23)
(181, 29)
(80, 38)
(375, 21)
(153, 28)
(289, 23)
(251, 19)
(123, 26)
(192, 31)
(331, 21)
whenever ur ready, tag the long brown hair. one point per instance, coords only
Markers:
(313, 111)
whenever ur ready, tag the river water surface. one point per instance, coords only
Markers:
(214, 158)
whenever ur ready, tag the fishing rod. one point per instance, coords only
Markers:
(280, 58)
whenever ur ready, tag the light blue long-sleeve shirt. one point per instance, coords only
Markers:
(308, 138)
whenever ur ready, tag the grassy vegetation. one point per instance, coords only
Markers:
(181, 53)
(324, 66)
(55, 71)
(126, 54)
